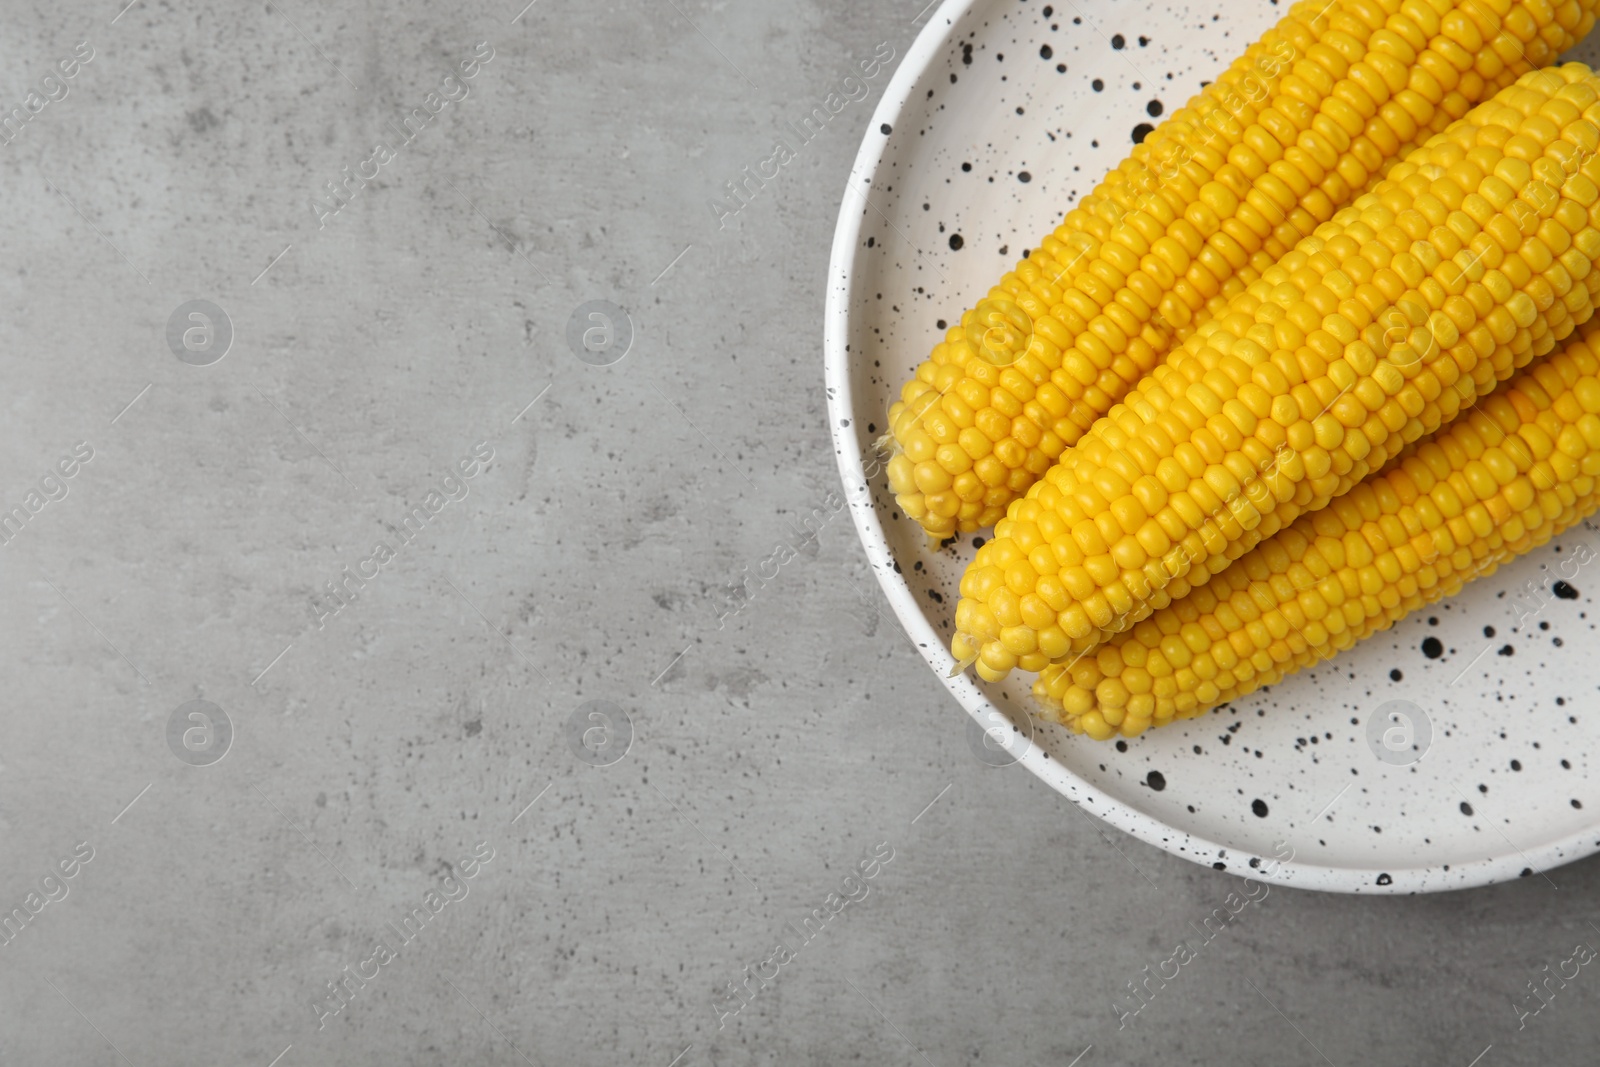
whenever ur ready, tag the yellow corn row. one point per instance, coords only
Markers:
(1484, 239)
(1310, 116)
(1517, 471)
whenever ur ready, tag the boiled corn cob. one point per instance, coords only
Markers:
(1517, 471)
(1295, 394)
(1310, 116)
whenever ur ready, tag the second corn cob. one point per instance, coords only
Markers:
(1484, 235)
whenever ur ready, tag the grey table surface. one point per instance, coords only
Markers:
(419, 769)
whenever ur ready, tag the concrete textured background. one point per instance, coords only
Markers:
(372, 754)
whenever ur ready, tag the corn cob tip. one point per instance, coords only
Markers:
(965, 652)
(960, 666)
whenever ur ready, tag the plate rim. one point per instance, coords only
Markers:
(929, 44)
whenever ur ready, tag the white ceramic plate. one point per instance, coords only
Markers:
(1001, 114)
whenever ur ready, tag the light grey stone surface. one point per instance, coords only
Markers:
(769, 756)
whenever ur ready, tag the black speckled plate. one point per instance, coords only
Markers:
(1453, 750)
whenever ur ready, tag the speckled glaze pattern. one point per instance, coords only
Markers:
(1003, 113)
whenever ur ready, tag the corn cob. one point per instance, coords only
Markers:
(1297, 378)
(1218, 192)
(1494, 484)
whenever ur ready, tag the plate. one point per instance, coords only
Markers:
(1456, 749)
